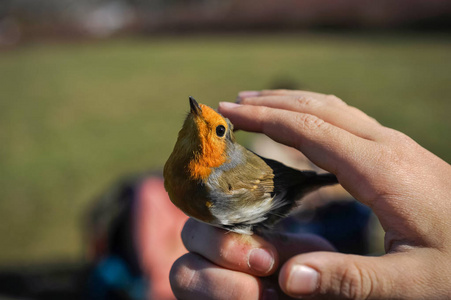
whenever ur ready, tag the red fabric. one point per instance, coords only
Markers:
(158, 226)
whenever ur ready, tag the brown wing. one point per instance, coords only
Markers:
(252, 179)
(242, 194)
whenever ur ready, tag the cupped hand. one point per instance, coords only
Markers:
(406, 186)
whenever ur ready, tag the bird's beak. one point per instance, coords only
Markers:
(195, 108)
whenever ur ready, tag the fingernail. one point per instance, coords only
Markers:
(260, 260)
(245, 94)
(302, 281)
(269, 294)
(228, 105)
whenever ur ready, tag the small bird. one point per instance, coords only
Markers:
(213, 179)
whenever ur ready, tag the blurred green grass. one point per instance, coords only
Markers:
(74, 117)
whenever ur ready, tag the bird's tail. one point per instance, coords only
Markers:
(319, 180)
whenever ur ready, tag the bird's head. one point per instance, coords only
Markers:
(205, 138)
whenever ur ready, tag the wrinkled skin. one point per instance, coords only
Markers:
(406, 186)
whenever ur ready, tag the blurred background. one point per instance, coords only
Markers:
(93, 90)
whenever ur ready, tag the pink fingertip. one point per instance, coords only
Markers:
(228, 105)
(302, 281)
(260, 260)
(245, 94)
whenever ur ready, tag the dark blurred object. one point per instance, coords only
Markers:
(285, 15)
(345, 224)
(67, 19)
(56, 280)
(111, 278)
(116, 273)
(108, 223)
(10, 31)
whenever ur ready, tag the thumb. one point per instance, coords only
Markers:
(333, 275)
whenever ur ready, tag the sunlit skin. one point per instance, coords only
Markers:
(405, 185)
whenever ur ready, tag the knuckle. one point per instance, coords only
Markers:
(395, 152)
(386, 157)
(390, 164)
(399, 138)
(305, 101)
(355, 283)
(309, 122)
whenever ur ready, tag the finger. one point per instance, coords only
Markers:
(279, 92)
(251, 254)
(193, 277)
(334, 275)
(329, 99)
(329, 147)
(338, 114)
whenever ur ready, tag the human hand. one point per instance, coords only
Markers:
(406, 186)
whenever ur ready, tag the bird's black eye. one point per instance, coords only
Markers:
(220, 130)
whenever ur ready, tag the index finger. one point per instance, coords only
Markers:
(244, 253)
(329, 147)
(342, 116)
